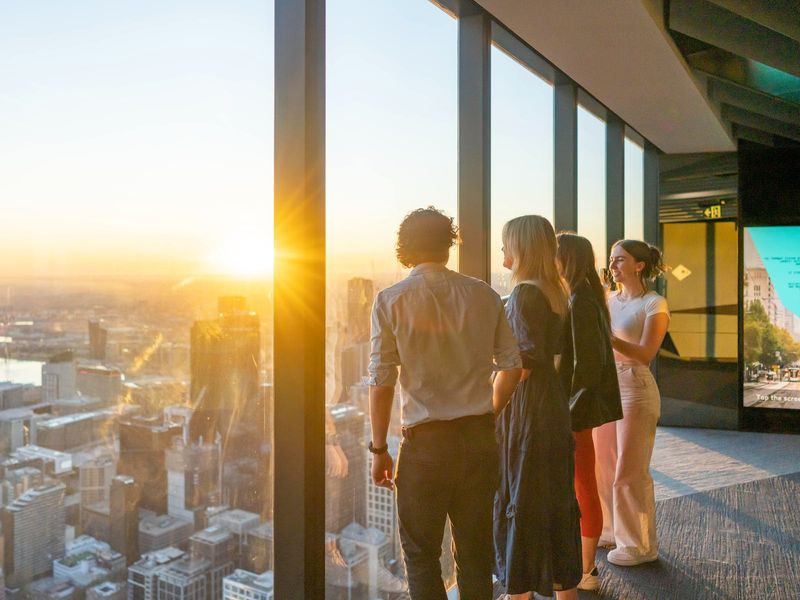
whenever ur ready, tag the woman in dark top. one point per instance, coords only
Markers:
(589, 376)
(537, 533)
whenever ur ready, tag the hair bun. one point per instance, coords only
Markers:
(657, 264)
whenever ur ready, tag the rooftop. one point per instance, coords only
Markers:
(161, 524)
(263, 582)
(212, 535)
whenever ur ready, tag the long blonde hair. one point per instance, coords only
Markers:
(531, 242)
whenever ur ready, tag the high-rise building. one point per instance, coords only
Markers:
(95, 479)
(143, 575)
(12, 395)
(185, 579)
(98, 337)
(360, 294)
(244, 585)
(18, 481)
(216, 545)
(238, 523)
(33, 528)
(51, 462)
(17, 428)
(59, 377)
(70, 432)
(259, 547)
(347, 494)
(124, 511)
(162, 531)
(193, 479)
(142, 445)
(225, 364)
(100, 381)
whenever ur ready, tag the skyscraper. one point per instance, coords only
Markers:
(95, 479)
(33, 528)
(98, 337)
(100, 381)
(124, 512)
(185, 579)
(59, 377)
(216, 545)
(193, 479)
(238, 523)
(360, 294)
(142, 445)
(143, 575)
(259, 547)
(225, 366)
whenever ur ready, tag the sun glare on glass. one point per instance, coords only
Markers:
(244, 256)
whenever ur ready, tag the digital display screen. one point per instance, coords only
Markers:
(771, 302)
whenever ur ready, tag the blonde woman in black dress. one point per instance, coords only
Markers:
(537, 522)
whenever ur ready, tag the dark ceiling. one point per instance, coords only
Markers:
(747, 53)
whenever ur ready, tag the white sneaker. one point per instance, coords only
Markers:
(621, 558)
(589, 581)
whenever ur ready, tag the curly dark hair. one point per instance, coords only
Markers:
(425, 235)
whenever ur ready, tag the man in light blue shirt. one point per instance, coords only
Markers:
(447, 334)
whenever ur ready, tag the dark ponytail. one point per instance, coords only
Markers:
(647, 254)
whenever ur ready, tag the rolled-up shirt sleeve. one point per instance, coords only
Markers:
(384, 357)
(506, 348)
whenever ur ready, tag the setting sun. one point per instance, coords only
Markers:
(247, 255)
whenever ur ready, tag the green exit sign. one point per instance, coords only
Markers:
(713, 212)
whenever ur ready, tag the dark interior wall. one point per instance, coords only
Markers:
(769, 184)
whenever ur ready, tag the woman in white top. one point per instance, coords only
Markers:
(639, 320)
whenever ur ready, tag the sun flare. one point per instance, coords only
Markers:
(244, 256)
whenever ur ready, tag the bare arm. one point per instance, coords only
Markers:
(504, 384)
(655, 328)
(380, 413)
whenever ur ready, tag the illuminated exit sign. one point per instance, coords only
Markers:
(713, 212)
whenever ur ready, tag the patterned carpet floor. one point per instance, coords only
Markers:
(728, 518)
(735, 542)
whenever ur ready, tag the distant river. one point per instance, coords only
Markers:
(21, 371)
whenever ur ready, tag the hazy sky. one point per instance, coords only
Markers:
(137, 137)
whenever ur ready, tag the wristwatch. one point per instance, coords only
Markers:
(381, 450)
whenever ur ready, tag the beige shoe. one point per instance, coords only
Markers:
(590, 581)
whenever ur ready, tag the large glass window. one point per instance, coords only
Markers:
(592, 182)
(634, 191)
(391, 148)
(522, 151)
(135, 289)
